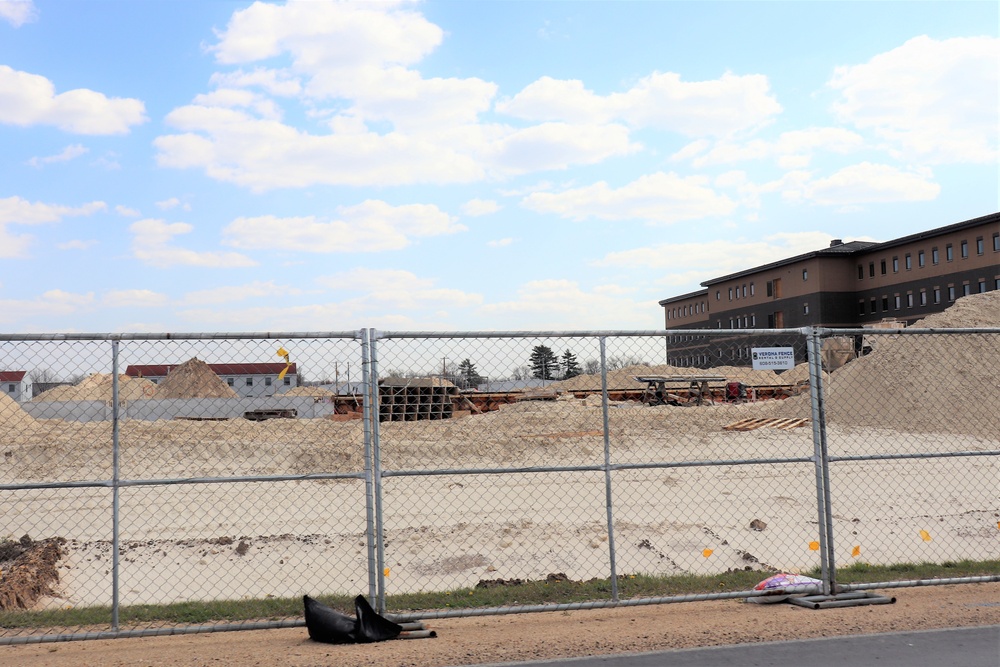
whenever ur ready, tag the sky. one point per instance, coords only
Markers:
(192, 166)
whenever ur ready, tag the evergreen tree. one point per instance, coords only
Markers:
(570, 366)
(544, 363)
(469, 375)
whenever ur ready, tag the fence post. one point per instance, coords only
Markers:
(115, 489)
(366, 419)
(375, 416)
(821, 460)
(607, 472)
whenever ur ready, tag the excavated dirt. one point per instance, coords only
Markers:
(194, 379)
(28, 571)
(98, 387)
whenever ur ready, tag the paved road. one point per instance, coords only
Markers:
(954, 647)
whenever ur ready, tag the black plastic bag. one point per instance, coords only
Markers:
(329, 626)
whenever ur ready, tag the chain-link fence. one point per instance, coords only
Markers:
(182, 483)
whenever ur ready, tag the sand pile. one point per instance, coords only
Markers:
(98, 387)
(11, 414)
(922, 383)
(194, 379)
(624, 378)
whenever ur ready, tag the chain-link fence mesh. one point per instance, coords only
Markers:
(487, 473)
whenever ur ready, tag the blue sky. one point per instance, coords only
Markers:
(195, 166)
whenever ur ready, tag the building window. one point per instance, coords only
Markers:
(949, 253)
(805, 309)
(966, 289)
(288, 381)
(996, 242)
(249, 382)
(923, 297)
(770, 288)
(267, 382)
(751, 289)
(805, 274)
(885, 304)
(871, 269)
(908, 261)
(895, 264)
(861, 307)
(230, 381)
(730, 293)
(980, 246)
(982, 285)
(753, 320)
(964, 249)
(718, 295)
(10, 388)
(861, 272)
(935, 258)
(921, 260)
(951, 292)
(873, 306)
(882, 267)
(937, 295)
(896, 301)
(909, 299)
(731, 325)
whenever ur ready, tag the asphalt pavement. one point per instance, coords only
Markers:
(952, 647)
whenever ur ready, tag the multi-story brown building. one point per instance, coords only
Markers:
(845, 285)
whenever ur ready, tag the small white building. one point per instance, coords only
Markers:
(247, 380)
(16, 384)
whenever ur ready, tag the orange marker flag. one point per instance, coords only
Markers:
(856, 551)
(925, 536)
(814, 546)
(706, 553)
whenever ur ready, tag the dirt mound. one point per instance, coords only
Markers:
(922, 383)
(28, 571)
(11, 414)
(968, 312)
(194, 379)
(98, 387)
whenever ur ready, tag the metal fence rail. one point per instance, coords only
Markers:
(433, 462)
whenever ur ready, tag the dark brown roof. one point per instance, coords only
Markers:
(12, 376)
(162, 370)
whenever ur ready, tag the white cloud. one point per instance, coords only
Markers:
(477, 207)
(67, 154)
(791, 150)
(151, 245)
(688, 261)
(387, 124)
(29, 99)
(564, 305)
(18, 12)
(15, 210)
(864, 183)
(54, 303)
(366, 227)
(127, 212)
(661, 100)
(397, 290)
(655, 198)
(167, 204)
(934, 99)
(134, 298)
(234, 293)
(500, 243)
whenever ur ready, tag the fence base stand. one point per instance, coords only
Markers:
(853, 599)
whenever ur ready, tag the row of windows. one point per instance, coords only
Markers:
(696, 360)
(687, 311)
(922, 296)
(949, 255)
(267, 381)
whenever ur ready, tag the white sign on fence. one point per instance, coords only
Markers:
(773, 358)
